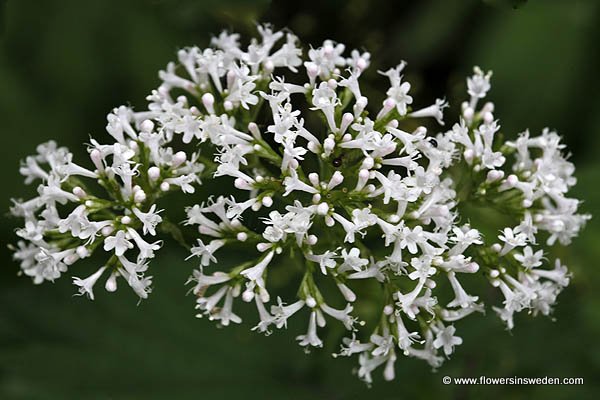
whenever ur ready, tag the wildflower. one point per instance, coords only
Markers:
(445, 338)
(86, 286)
(311, 338)
(119, 242)
(328, 190)
(529, 259)
(149, 219)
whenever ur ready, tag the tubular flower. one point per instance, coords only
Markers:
(322, 184)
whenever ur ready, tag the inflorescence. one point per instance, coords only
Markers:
(353, 201)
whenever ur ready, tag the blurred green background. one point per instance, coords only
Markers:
(65, 63)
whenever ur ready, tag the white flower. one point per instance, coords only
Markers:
(31, 231)
(311, 338)
(407, 302)
(412, 238)
(369, 363)
(398, 90)
(146, 249)
(281, 312)
(352, 260)
(560, 273)
(464, 237)
(363, 218)
(511, 240)
(206, 252)
(325, 99)
(204, 281)
(309, 164)
(225, 314)
(341, 315)
(445, 338)
(374, 270)
(529, 259)
(52, 193)
(433, 111)
(119, 242)
(134, 275)
(405, 338)
(266, 319)
(325, 260)
(423, 268)
(384, 344)
(208, 303)
(479, 84)
(78, 224)
(461, 298)
(184, 182)
(254, 273)
(86, 286)
(353, 346)
(350, 228)
(149, 219)
(293, 183)
(240, 86)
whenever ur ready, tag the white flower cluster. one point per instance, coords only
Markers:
(66, 222)
(327, 188)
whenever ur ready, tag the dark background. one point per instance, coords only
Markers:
(65, 63)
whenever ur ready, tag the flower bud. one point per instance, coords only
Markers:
(139, 196)
(147, 126)
(208, 100)
(153, 173)
(111, 283)
(179, 158)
